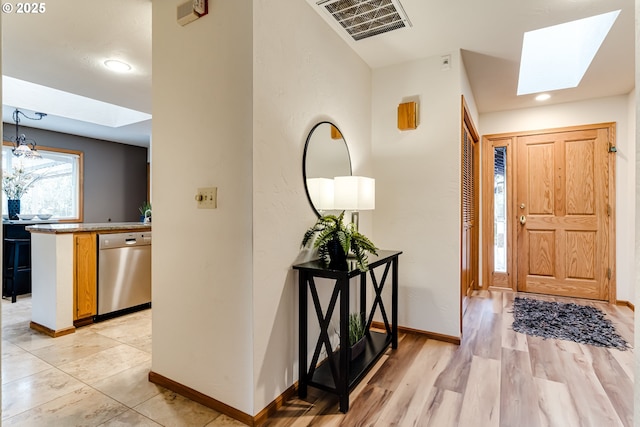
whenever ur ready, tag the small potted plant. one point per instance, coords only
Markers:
(334, 240)
(357, 334)
(144, 208)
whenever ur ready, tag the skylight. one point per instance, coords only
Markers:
(557, 57)
(31, 96)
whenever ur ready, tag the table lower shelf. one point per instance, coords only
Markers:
(376, 343)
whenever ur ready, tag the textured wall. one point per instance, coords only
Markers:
(418, 189)
(202, 259)
(303, 74)
(636, 262)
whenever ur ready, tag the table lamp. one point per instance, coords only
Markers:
(354, 193)
(321, 193)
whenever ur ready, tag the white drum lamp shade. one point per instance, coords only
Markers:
(321, 193)
(354, 193)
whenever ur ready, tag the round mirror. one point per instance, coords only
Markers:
(325, 156)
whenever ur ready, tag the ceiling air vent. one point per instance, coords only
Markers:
(366, 18)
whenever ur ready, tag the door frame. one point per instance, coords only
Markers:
(510, 139)
(467, 121)
(489, 142)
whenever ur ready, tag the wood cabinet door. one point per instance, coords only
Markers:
(85, 266)
(563, 213)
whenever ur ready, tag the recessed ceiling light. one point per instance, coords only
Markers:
(543, 97)
(557, 57)
(117, 66)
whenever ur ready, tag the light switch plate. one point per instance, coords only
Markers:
(207, 198)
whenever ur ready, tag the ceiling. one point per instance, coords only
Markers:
(490, 34)
(65, 47)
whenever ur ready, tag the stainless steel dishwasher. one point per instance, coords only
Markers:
(124, 272)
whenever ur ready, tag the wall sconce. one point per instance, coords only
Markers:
(407, 116)
(321, 193)
(354, 193)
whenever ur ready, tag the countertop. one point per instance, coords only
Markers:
(28, 222)
(87, 227)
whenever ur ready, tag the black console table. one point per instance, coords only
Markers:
(337, 374)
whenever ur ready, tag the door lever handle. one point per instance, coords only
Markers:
(523, 219)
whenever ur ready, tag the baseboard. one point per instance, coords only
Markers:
(431, 335)
(201, 398)
(223, 408)
(83, 322)
(273, 407)
(279, 401)
(627, 304)
(48, 331)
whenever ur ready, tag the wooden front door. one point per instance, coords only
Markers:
(564, 213)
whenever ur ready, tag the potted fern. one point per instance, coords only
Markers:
(334, 240)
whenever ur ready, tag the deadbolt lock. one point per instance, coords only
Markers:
(522, 206)
(523, 219)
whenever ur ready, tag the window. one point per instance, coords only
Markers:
(500, 209)
(57, 189)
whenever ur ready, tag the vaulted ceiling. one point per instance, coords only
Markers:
(65, 48)
(490, 34)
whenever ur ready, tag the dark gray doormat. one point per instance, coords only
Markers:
(572, 322)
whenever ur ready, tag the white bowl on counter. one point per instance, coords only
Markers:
(43, 216)
(26, 217)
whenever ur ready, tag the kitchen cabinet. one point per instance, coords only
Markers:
(85, 274)
(64, 273)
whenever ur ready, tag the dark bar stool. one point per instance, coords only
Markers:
(15, 247)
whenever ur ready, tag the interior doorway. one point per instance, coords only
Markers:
(549, 207)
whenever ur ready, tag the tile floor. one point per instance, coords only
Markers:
(94, 377)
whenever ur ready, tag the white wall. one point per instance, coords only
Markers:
(1, 236)
(467, 91)
(202, 259)
(418, 189)
(636, 300)
(303, 73)
(251, 88)
(610, 109)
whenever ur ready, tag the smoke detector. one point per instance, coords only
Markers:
(366, 18)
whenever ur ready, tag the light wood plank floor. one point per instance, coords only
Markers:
(496, 377)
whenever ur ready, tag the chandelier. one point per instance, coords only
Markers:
(23, 147)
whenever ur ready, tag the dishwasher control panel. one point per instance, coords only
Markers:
(120, 240)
